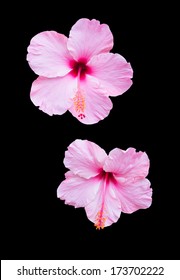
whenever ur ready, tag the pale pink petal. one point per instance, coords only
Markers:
(78, 191)
(133, 194)
(88, 38)
(53, 96)
(84, 158)
(113, 73)
(48, 55)
(90, 104)
(127, 163)
(105, 208)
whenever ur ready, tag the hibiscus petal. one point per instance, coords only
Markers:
(48, 55)
(105, 208)
(127, 163)
(84, 158)
(90, 104)
(134, 194)
(53, 96)
(88, 38)
(113, 72)
(78, 191)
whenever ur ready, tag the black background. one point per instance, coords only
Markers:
(36, 224)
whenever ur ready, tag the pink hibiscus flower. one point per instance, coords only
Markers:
(105, 185)
(77, 73)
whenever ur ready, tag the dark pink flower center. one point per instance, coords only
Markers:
(79, 68)
(108, 176)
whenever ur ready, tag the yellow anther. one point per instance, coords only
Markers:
(100, 220)
(79, 101)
